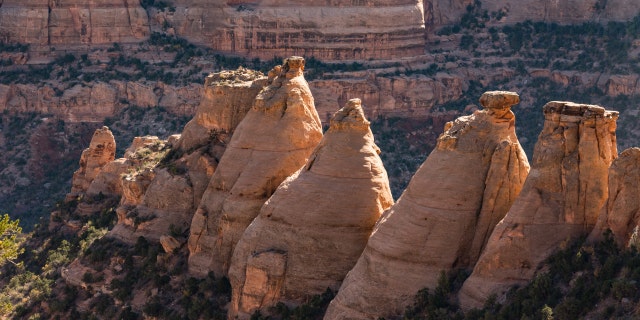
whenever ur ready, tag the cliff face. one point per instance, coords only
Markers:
(560, 200)
(73, 22)
(326, 29)
(273, 141)
(312, 230)
(445, 215)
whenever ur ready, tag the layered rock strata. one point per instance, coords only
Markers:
(326, 30)
(313, 229)
(72, 22)
(621, 213)
(273, 141)
(444, 217)
(559, 202)
(101, 151)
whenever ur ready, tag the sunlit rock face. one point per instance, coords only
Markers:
(560, 200)
(443, 218)
(274, 140)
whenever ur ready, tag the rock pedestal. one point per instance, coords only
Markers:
(273, 141)
(443, 218)
(559, 202)
(313, 229)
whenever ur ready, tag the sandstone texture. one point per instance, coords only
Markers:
(226, 99)
(313, 229)
(101, 151)
(560, 201)
(73, 22)
(326, 29)
(158, 202)
(273, 141)
(444, 217)
(621, 212)
(99, 100)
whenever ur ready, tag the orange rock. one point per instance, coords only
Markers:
(313, 229)
(101, 151)
(273, 141)
(560, 200)
(443, 218)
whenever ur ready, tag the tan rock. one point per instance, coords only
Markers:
(621, 212)
(73, 22)
(101, 151)
(326, 30)
(274, 140)
(228, 96)
(443, 218)
(559, 202)
(169, 243)
(312, 230)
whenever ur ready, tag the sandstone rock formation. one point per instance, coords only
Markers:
(168, 194)
(443, 219)
(621, 212)
(73, 22)
(273, 141)
(227, 97)
(101, 151)
(313, 229)
(326, 30)
(559, 202)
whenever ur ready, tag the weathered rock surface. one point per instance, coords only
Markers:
(443, 219)
(73, 22)
(226, 99)
(173, 193)
(326, 30)
(273, 141)
(97, 101)
(621, 213)
(559, 202)
(313, 229)
(101, 151)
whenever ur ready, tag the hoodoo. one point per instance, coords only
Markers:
(559, 202)
(313, 229)
(273, 141)
(443, 219)
(101, 151)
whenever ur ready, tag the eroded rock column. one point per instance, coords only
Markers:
(442, 220)
(273, 141)
(559, 202)
(101, 151)
(313, 229)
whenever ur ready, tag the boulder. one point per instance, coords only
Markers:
(559, 203)
(313, 229)
(443, 218)
(273, 141)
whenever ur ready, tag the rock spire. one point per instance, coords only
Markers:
(559, 202)
(273, 141)
(443, 218)
(313, 229)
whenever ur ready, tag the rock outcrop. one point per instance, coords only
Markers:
(444, 217)
(621, 213)
(101, 151)
(559, 202)
(273, 141)
(172, 191)
(313, 229)
(326, 30)
(73, 22)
